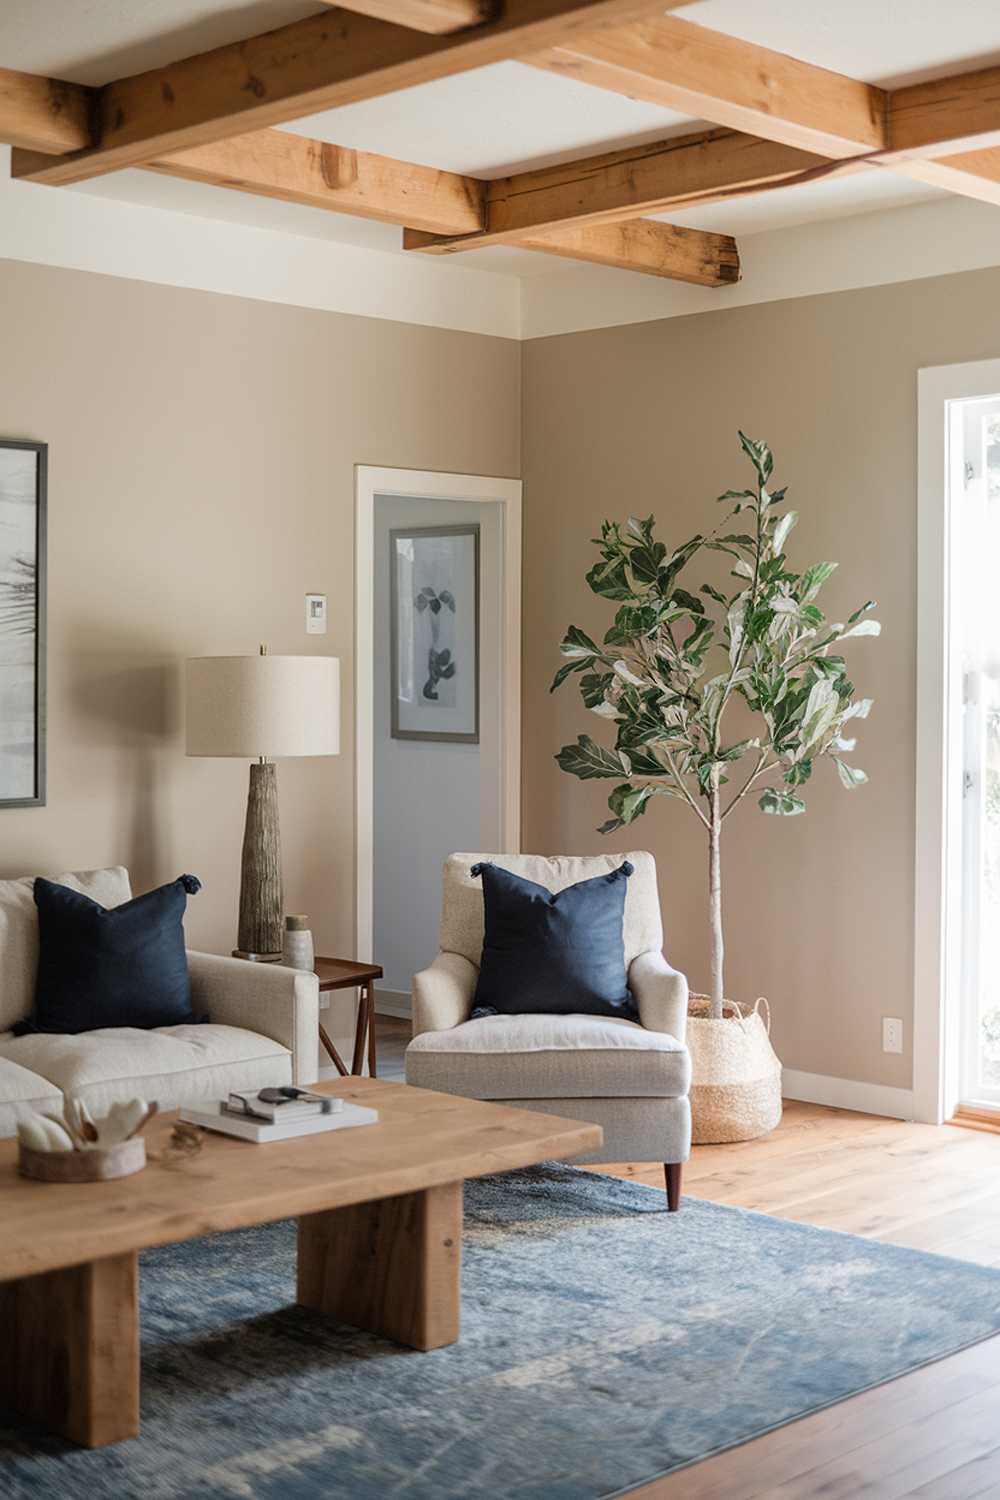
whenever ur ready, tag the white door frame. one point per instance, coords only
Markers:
(937, 884)
(421, 484)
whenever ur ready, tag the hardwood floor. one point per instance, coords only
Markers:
(934, 1434)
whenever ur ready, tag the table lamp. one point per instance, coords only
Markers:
(262, 708)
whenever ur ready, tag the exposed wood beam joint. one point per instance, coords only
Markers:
(320, 63)
(629, 184)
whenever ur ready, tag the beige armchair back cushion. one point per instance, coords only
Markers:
(462, 903)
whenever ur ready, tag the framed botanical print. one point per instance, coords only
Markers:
(22, 623)
(434, 633)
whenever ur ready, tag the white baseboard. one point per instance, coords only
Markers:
(393, 1003)
(846, 1093)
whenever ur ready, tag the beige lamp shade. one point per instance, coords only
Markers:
(270, 706)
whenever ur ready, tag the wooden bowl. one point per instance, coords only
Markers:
(95, 1165)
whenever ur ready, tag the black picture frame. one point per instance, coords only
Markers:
(34, 611)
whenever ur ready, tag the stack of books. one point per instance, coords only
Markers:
(251, 1118)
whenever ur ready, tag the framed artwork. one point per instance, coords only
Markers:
(22, 623)
(434, 633)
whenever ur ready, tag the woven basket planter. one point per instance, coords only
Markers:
(736, 1076)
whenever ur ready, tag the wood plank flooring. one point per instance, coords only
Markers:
(934, 1434)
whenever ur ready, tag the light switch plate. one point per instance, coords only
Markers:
(315, 614)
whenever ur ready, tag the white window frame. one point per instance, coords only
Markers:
(937, 999)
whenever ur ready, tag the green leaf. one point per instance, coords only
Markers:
(691, 602)
(759, 455)
(851, 776)
(782, 529)
(576, 642)
(609, 579)
(714, 593)
(863, 627)
(593, 687)
(589, 761)
(781, 803)
(563, 673)
(799, 773)
(813, 580)
(737, 495)
(628, 802)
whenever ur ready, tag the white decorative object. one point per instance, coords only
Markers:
(299, 952)
(78, 1148)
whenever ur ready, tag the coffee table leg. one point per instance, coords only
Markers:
(391, 1267)
(71, 1349)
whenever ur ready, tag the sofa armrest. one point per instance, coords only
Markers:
(267, 998)
(442, 994)
(661, 994)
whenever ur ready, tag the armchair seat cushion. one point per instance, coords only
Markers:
(549, 1056)
(171, 1064)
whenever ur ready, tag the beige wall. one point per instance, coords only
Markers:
(201, 483)
(643, 419)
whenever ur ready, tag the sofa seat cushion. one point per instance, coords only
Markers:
(548, 1056)
(172, 1064)
(21, 1090)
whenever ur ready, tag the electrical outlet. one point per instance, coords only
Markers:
(892, 1034)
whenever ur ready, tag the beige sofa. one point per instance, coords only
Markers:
(262, 1025)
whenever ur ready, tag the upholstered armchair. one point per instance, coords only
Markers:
(629, 1077)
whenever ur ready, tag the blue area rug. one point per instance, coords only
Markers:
(603, 1342)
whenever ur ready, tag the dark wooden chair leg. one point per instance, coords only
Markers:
(371, 1032)
(672, 1172)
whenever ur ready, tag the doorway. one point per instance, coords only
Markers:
(957, 949)
(438, 700)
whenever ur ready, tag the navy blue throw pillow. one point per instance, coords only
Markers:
(121, 967)
(553, 952)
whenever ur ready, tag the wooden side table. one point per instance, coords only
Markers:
(344, 974)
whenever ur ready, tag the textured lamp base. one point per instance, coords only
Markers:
(261, 920)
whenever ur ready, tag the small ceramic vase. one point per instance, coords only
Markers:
(298, 951)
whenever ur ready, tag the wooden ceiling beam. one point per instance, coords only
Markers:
(277, 164)
(320, 63)
(712, 76)
(679, 65)
(692, 255)
(947, 116)
(622, 185)
(43, 114)
(438, 17)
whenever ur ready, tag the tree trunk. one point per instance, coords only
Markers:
(715, 905)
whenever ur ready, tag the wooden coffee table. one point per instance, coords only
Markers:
(379, 1212)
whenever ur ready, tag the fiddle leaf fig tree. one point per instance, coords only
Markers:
(680, 664)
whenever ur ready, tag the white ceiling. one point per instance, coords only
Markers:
(511, 116)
